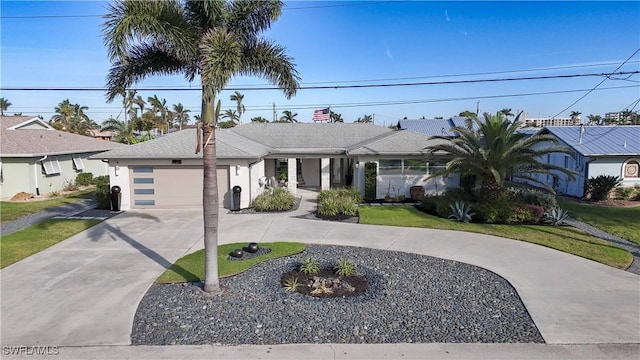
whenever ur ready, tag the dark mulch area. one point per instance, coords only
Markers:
(359, 283)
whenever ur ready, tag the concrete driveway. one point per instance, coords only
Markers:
(85, 290)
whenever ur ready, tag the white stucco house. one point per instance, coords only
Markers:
(166, 172)
(598, 150)
(38, 159)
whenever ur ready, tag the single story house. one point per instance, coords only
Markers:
(598, 150)
(436, 127)
(35, 158)
(166, 172)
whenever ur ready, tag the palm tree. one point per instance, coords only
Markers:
(128, 98)
(335, 117)
(181, 115)
(124, 130)
(214, 40)
(288, 117)
(163, 115)
(259, 119)
(470, 114)
(4, 105)
(237, 97)
(575, 116)
(594, 119)
(498, 151)
(365, 119)
(506, 112)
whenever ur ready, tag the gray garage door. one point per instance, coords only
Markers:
(157, 187)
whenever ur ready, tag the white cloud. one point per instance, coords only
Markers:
(446, 15)
(389, 55)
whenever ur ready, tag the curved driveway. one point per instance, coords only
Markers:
(85, 290)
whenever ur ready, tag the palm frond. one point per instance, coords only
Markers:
(268, 60)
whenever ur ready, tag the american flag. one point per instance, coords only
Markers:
(321, 114)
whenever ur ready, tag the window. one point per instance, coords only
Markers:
(143, 180)
(402, 167)
(142, 169)
(51, 166)
(145, 203)
(632, 169)
(143, 191)
(77, 162)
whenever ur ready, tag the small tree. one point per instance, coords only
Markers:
(599, 187)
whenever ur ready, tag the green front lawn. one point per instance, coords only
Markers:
(12, 210)
(24, 243)
(619, 221)
(191, 267)
(563, 238)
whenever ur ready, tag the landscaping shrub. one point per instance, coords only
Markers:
(460, 212)
(637, 195)
(278, 199)
(370, 181)
(337, 202)
(102, 192)
(84, 179)
(598, 188)
(624, 193)
(533, 197)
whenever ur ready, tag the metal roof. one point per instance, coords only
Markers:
(599, 140)
(429, 127)
(404, 142)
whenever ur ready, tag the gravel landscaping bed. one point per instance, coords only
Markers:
(411, 299)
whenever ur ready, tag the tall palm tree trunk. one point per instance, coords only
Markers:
(210, 192)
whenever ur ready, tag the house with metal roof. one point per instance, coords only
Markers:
(37, 159)
(598, 150)
(436, 127)
(167, 173)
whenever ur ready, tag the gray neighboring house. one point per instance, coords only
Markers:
(35, 158)
(166, 172)
(598, 150)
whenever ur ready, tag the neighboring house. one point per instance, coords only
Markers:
(35, 158)
(102, 135)
(436, 127)
(166, 172)
(599, 150)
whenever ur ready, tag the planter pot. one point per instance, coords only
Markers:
(417, 192)
(252, 247)
(237, 253)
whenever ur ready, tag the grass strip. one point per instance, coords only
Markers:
(10, 211)
(563, 238)
(620, 221)
(26, 242)
(191, 267)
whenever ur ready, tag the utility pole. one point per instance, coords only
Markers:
(274, 111)
(478, 108)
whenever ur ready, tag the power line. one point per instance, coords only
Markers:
(600, 83)
(325, 87)
(382, 103)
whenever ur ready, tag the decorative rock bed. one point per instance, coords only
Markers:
(411, 298)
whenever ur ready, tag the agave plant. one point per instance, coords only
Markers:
(557, 216)
(461, 211)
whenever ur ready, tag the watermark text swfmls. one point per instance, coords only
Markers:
(30, 350)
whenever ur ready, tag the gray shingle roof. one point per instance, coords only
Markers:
(39, 141)
(182, 145)
(402, 142)
(599, 140)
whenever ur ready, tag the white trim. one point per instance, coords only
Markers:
(77, 162)
(35, 119)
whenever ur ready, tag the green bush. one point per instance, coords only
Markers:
(533, 197)
(624, 193)
(337, 202)
(84, 179)
(637, 195)
(102, 192)
(598, 188)
(278, 199)
(370, 181)
(437, 205)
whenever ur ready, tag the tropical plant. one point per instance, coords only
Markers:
(335, 117)
(231, 115)
(237, 97)
(599, 187)
(4, 105)
(309, 266)
(259, 119)
(72, 118)
(365, 119)
(345, 267)
(469, 114)
(163, 117)
(461, 211)
(288, 117)
(575, 116)
(556, 216)
(506, 112)
(497, 151)
(291, 284)
(124, 130)
(276, 199)
(181, 115)
(212, 40)
(594, 119)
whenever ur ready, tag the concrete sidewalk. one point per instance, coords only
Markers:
(85, 290)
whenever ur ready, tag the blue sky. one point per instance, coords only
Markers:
(370, 42)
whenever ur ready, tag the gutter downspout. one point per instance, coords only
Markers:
(35, 173)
